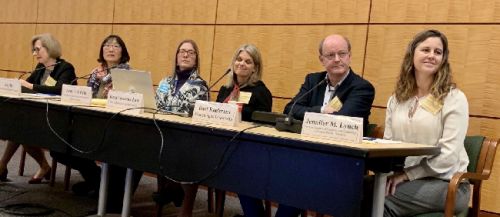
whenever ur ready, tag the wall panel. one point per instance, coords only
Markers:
(298, 11)
(19, 11)
(153, 47)
(429, 11)
(75, 11)
(288, 52)
(165, 11)
(15, 49)
(377, 116)
(80, 43)
(279, 104)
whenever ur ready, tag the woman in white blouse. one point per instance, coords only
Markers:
(427, 108)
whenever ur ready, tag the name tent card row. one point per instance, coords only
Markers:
(215, 113)
(76, 94)
(10, 86)
(333, 127)
(119, 100)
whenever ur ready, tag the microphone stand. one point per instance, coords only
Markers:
(220, 78)
(289, 123)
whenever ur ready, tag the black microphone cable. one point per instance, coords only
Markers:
(289, 123)
(221, 162)
(87, 76)
(16, 71)
(289, 115)
(5, 100)
(101, 141)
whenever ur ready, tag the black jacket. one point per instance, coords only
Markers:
(355, 93)
(63, 73)
(261, 99)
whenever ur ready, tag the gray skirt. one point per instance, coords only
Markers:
(424, 196)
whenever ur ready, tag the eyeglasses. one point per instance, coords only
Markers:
(189, 52)
(341, 54)
(36, 49)
(114, 46)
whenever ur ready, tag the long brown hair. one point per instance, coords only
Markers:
(406, 86)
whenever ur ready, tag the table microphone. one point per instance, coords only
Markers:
(289, 123)
(105, 79)
(36, 69)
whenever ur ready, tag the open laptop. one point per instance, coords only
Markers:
(135, 81)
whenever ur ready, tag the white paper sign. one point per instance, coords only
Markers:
(118, 100)
(215, 113)
(76, 94)
(10, 86)
(334, 127)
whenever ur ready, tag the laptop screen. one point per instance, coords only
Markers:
(135, 81)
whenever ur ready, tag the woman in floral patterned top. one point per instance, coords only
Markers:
(178, 92)
(113, 54)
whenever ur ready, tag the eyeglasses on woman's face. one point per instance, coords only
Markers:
(188, 52)
(112, 46)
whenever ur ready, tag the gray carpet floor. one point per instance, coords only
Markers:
(17, 196)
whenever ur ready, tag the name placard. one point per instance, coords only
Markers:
(118, 100)
(10, 86)
(334, 127)
(215, 113)
(76, 94)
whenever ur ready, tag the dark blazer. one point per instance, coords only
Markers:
(261, 99)
(355, 93)
(63, 73)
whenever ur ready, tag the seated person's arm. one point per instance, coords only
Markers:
(261, 100)
(455, 119)
(359, 101)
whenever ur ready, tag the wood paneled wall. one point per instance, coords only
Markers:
(287, 33)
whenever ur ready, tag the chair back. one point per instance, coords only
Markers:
(481, 163)
(481, 152)
(370, 130)
(473, 146)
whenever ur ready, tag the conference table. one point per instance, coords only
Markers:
(250, 159)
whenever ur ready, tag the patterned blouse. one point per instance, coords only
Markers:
(97, 79)
(169, 100)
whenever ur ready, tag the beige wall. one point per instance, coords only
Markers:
(287, 33)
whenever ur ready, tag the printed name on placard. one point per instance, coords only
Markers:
(119, 100)
(333, 127)
(76, 94)
(215, 113)
(10, 86)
